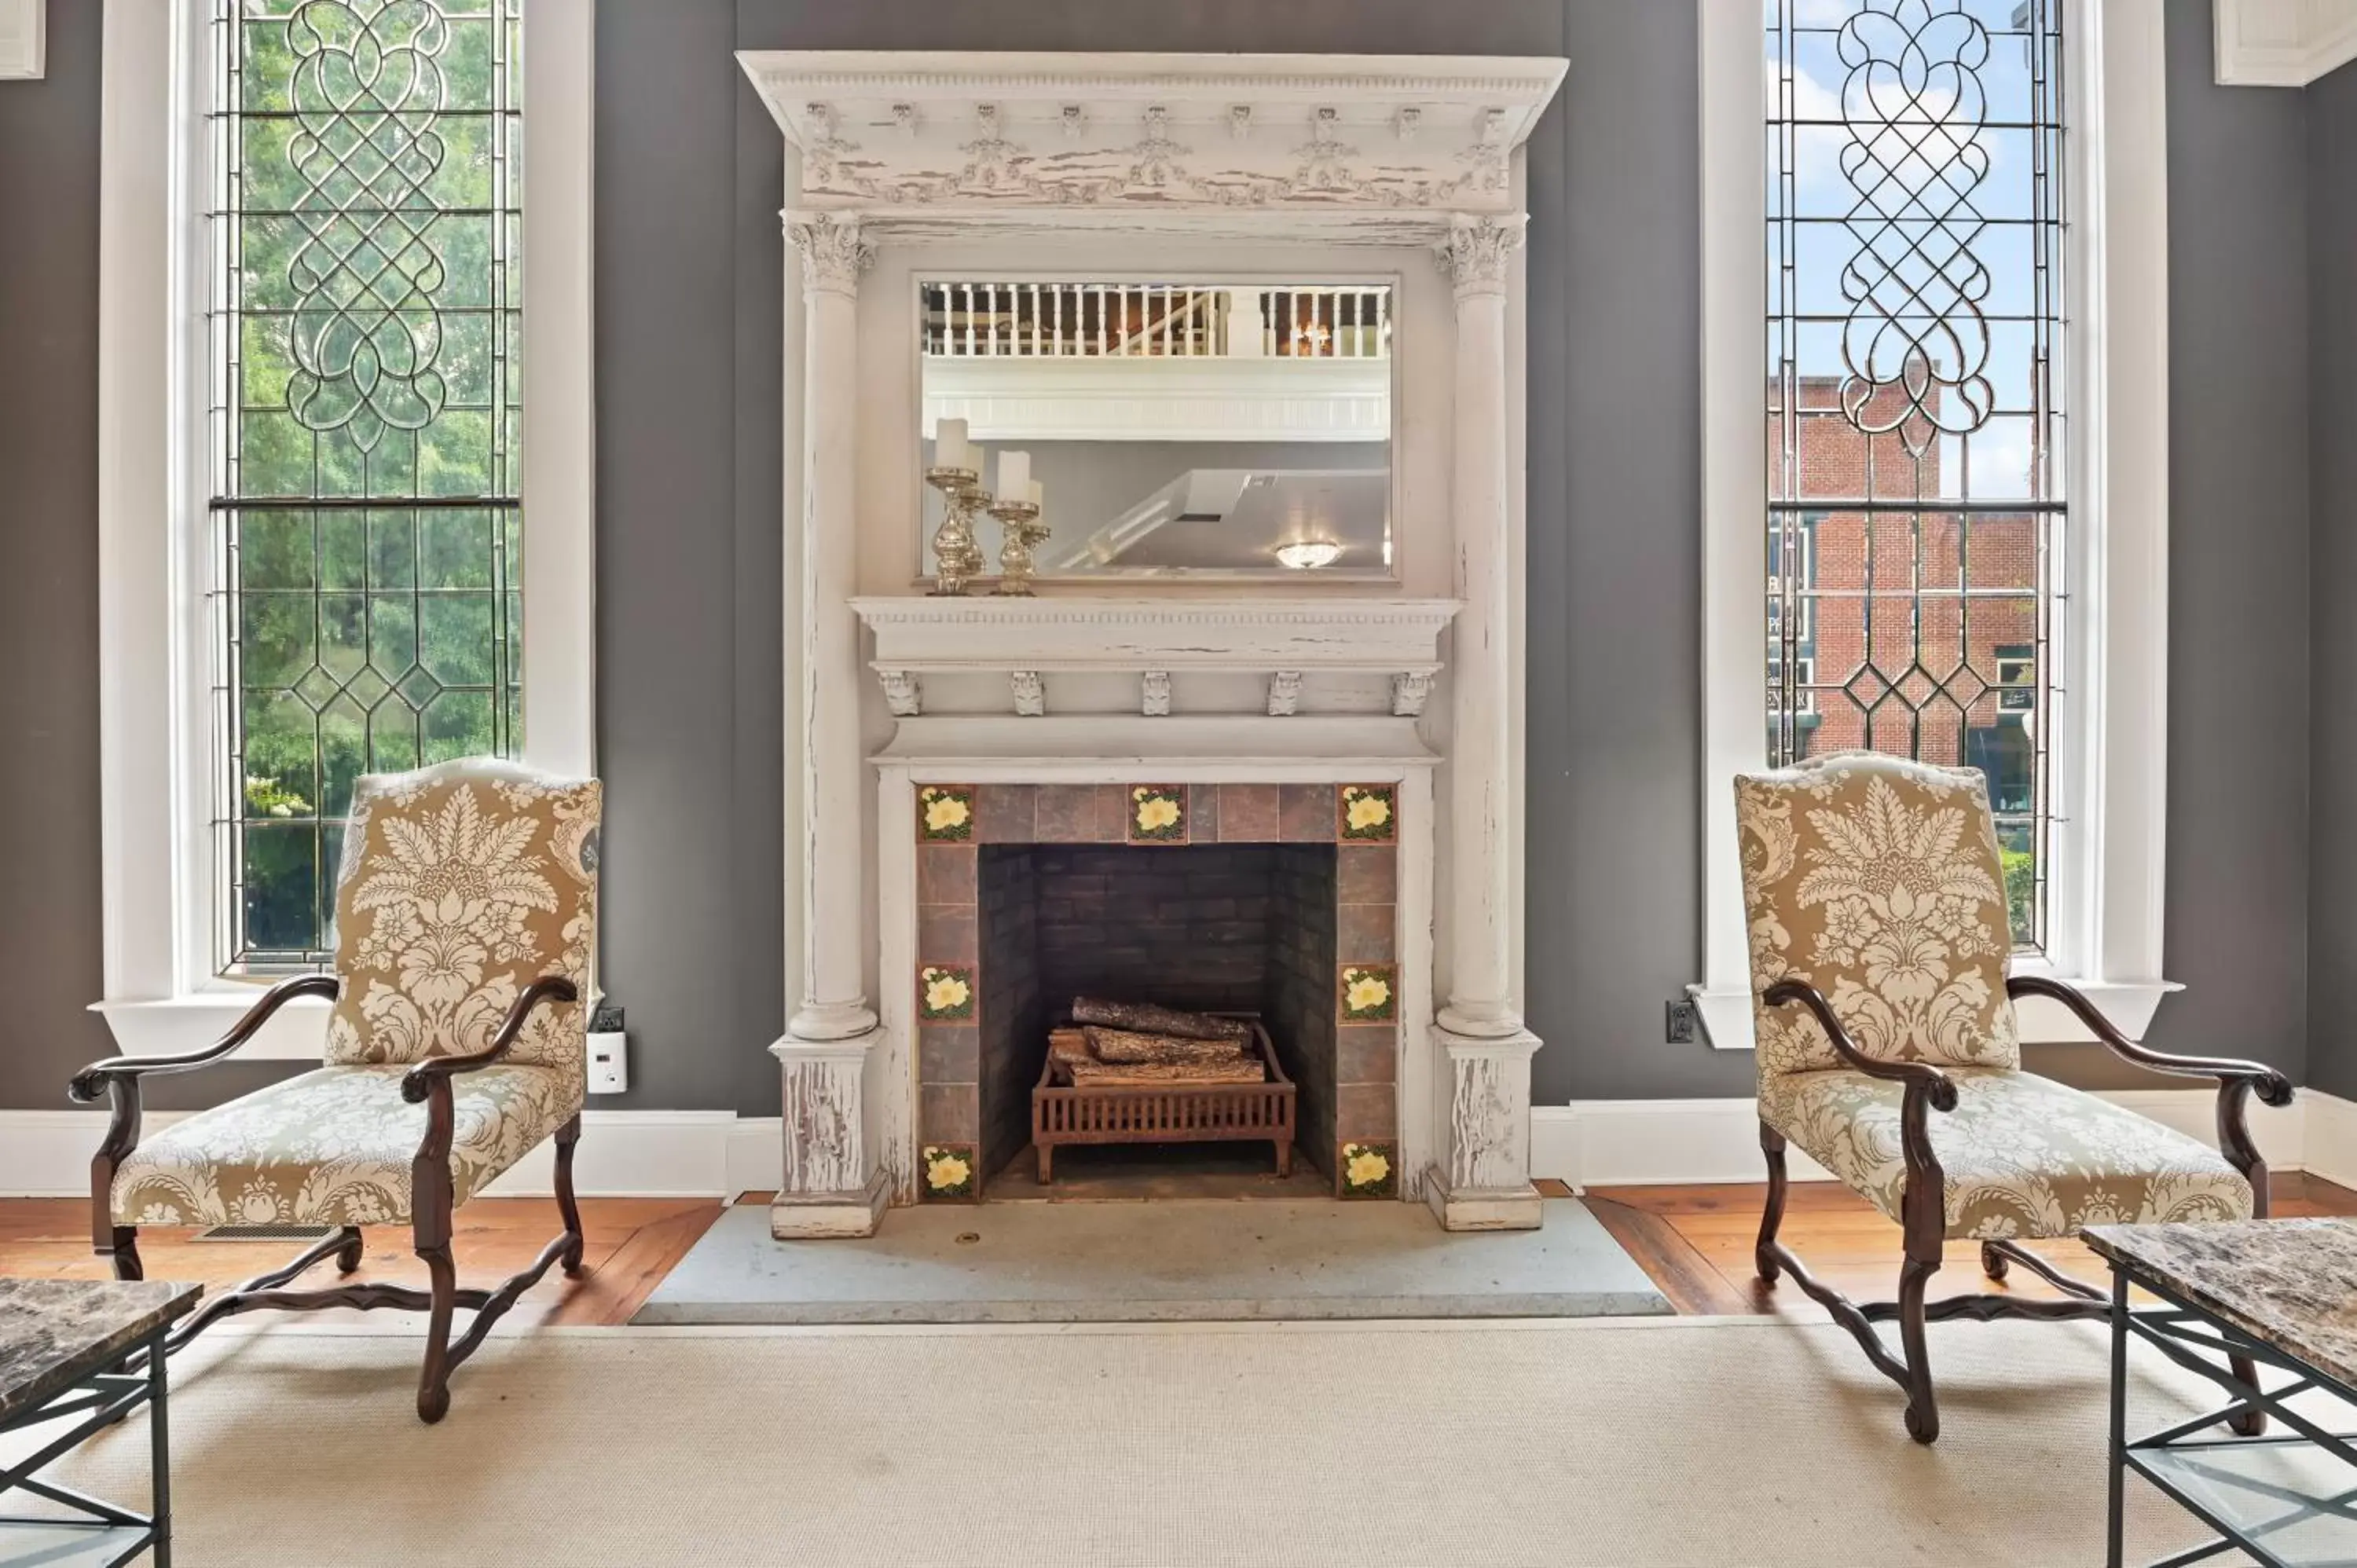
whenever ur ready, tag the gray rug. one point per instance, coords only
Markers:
(1116, 1262)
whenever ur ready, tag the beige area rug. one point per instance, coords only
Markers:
(1616, 1443)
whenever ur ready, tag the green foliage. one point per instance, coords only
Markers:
(2020, 890)
(377, 347)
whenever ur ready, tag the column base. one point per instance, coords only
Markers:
(1482, 1208)
(820, 1216)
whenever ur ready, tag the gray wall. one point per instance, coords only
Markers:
(48, 568)
(2237, 890)
(689, 324)
(2333, 562)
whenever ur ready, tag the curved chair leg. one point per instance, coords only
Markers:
(1772, 1218)
(348, 1256)
(1994, 1263)
(125, 1255)
(434, 1377)
(1922, 1406)
(2251, 1423)
(566, 1136)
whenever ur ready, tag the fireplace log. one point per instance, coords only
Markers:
(1117, 1075)
(1128, 1045)
(1146, 1018)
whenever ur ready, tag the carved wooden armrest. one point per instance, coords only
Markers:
(93, 1079)
(2272, 1087)
(420, 1080)
(1921, 1078)
(2237, 1080)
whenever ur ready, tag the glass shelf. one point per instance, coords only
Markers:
(2273, 1491)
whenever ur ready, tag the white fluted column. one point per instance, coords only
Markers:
(834, 1186)
(1484, 1181)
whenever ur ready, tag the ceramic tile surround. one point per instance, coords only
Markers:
(954, 821)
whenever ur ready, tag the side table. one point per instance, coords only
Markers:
(86, 1353)
(2279, 1295)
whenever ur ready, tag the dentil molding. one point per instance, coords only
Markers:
(2282, 43)
(916, 131)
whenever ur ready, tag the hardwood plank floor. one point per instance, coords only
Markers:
(629, 1245)
(1695, 1241)
(1685, 1235)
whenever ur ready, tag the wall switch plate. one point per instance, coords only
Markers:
(610, 1061)
(1683, 1024)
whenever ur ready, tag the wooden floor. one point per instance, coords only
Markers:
(1696, 1242)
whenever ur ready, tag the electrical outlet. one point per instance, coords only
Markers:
(1683, 1024)
(609, 1053)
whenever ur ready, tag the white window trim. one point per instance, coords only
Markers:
(2111, 758)
(154, 725)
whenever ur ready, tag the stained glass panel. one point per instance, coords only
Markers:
(362, 323)
(1915, 411)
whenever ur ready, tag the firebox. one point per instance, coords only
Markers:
(1208, 907)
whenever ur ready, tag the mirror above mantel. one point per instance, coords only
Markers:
(1187, 428)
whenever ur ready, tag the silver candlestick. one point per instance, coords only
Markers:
(1020, 533)
(957, 556)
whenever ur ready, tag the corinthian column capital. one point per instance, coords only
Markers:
(1475, 250)
(833, 254)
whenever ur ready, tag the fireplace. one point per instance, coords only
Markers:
(972, 763)
(1280, 901)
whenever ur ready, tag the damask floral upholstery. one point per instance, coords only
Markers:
(2023, 1156)
(333, 1147)
(460, 886)
(1876, 880)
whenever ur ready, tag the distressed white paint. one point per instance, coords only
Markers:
(834, 1004)
(903, 693)
(1482, 1180)
(1245, 631)
(1476, 254)
(971, 133)
(1290, 181)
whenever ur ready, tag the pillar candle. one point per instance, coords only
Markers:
(950, 448)
(1014, 475)
(1039, 494)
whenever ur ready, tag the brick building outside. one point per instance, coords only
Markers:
(1911, 628)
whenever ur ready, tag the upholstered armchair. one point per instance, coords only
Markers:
(1887, 1051)
(465, 912)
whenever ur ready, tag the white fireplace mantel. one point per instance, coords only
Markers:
(1378, 147)
(1131, 161)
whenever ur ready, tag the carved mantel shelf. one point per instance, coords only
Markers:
(1381, 149)
(1283, 640)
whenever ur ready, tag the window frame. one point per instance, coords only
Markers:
(2109, 756)
(156, 734)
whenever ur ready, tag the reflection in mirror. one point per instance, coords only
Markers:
(1171, 428)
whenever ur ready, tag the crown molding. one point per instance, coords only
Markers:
(24, 39)
(2282, 43)
(970, 135)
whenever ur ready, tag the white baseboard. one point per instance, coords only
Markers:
(1636, 1142)
(1594, 1143)
(622, 1153)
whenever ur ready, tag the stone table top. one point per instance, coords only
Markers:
(2287, 1283)
(54, 1333)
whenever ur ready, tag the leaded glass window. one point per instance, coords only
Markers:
(364, 400)
(1916, 313)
